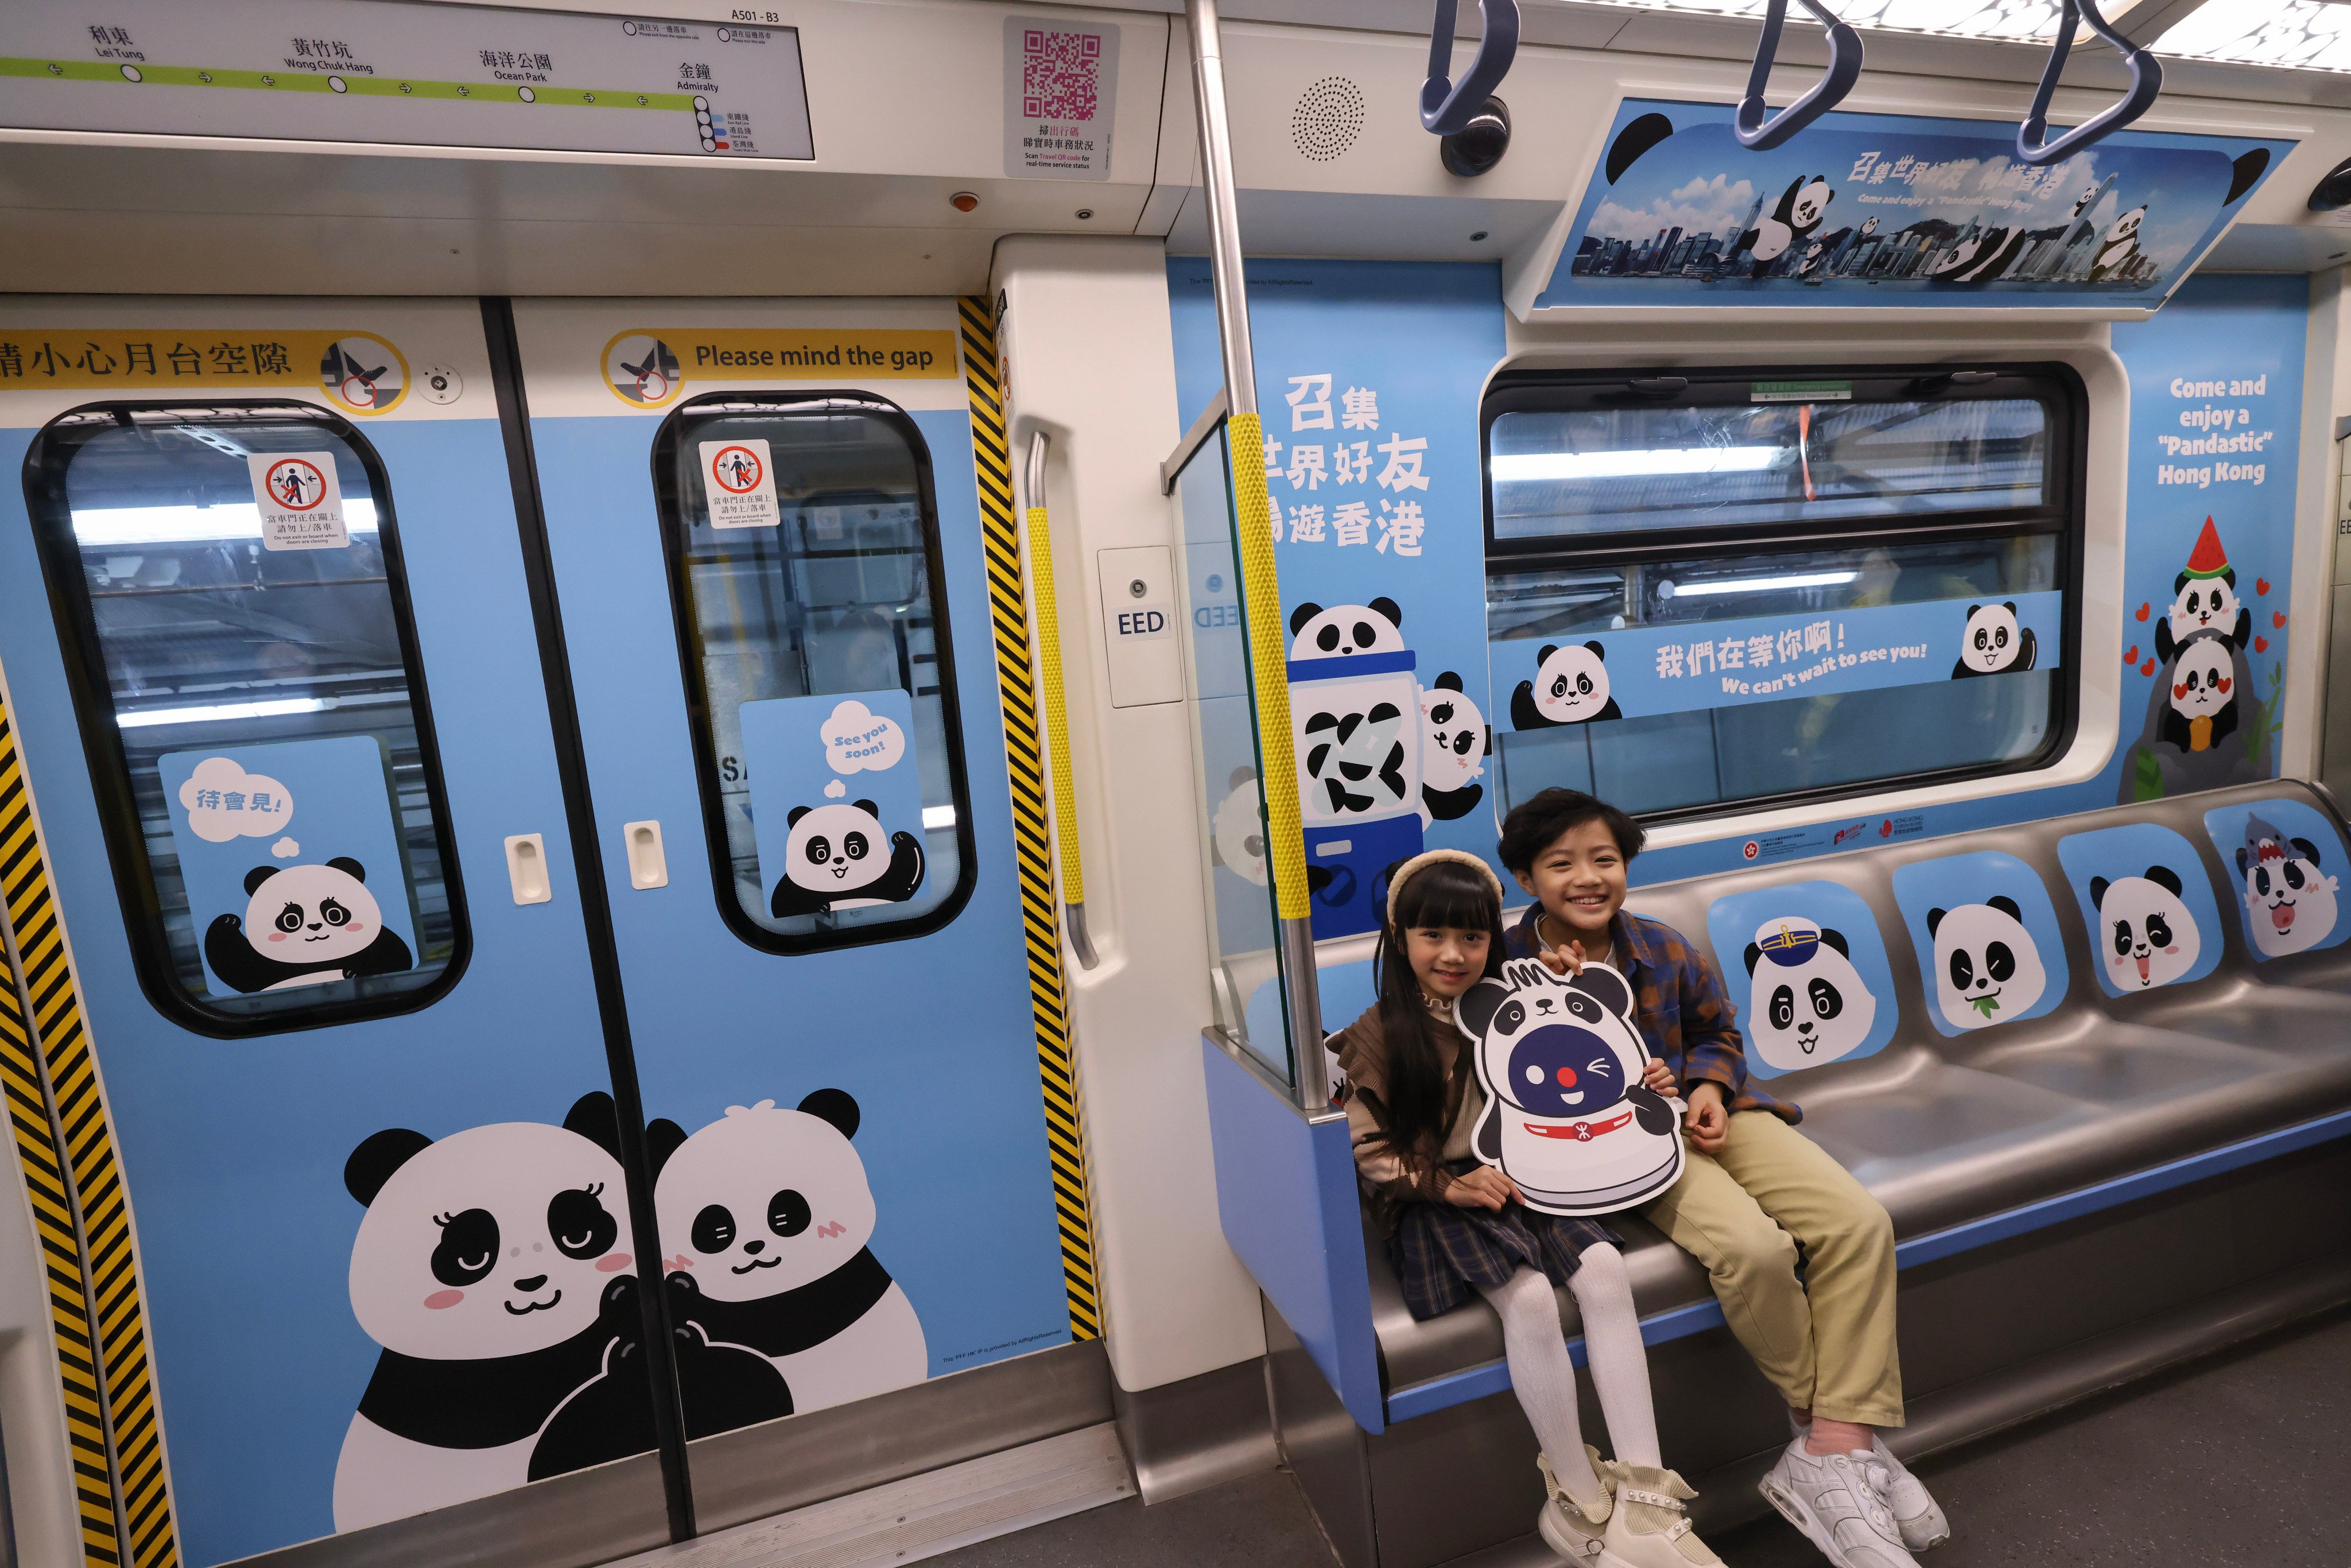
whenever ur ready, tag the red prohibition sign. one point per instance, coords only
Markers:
(290, 479)
(738, 470)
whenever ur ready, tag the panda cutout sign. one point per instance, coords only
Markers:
(1567, 1118)
(293, 870)
(836, 804)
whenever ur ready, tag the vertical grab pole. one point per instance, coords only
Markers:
(1057, 707)
(1261, 590)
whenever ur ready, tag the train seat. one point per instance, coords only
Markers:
(2002, 1150)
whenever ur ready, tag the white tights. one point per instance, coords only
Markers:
(1544, 1377)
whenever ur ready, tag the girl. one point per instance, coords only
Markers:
(1455, 1225)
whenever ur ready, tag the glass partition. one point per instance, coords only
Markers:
(1245, 972)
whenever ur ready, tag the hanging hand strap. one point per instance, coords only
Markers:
(1447, 108)
(2147, 81)
(1756, 127)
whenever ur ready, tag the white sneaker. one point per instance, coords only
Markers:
(1576, 1530)
(1838, 1502)
(1915, 1512)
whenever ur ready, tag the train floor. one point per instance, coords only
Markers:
(2238, 1460)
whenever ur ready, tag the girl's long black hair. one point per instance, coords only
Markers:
(1441, 894)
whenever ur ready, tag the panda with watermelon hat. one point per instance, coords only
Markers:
(2204, 598)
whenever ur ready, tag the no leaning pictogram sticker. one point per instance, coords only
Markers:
(739, 484)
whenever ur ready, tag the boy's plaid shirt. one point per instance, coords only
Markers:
(1679, 1001)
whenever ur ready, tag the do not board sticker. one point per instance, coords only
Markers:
(740, 483)
(299, 499)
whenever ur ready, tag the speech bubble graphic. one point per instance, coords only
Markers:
(286, 849)
(857, 739)
(223, 803)
(836, 791)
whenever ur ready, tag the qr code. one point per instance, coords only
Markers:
(1060, 73)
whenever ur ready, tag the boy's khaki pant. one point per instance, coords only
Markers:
(1826, 1341)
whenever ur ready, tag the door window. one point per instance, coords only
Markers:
(803, 538)
(235, 620)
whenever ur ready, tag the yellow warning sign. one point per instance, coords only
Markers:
(358, 372)
(649, 369)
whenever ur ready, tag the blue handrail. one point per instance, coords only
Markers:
(2147, 81)
(1447, 108)
(1759, 134)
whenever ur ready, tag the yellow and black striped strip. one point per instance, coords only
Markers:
(1032, 847)
(70, 1164)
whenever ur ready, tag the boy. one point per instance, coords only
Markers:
(1753, 1192)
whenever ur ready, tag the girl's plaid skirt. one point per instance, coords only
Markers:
(1442, 1253)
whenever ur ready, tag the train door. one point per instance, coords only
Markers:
(793, 616)
(328, 1030)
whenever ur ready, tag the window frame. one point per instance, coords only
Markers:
(47, 459)
(670, 518)
(2061, 515)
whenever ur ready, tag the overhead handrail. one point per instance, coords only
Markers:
(1447, 107)
(2146, 82)
(1756, 127)
(1057, 713)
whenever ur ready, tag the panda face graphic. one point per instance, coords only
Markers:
(1868, 228)
(1987, 969)
(1345, 630)
(1452, 736)
(1991, 642)
(836, 848)
(1807, 1004)
(764, 1200)
(310, 913)
(2203, 678)
(2202, 604)
(1810, 203)
(2289, 899)
(2146, 937)
(2126, 226)
(1570, 686)
(1238, 830)
(495, 1242)
(2082, 203)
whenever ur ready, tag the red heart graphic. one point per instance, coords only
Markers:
(2179, 691)
(2223, 682)
(2277, 617)
(2142, 611)
(2131, 657)
(2261, 645)
(2261, 585)
(2148, 668)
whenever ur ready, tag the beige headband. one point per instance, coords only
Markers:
(1405, 872)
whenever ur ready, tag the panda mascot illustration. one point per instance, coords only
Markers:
(769, 1215)
(2290, 900)
(493, 1269)
(832, 862)
(1987, 968)
(1800, 210)
(2118, 254)
(2204, 693)
(304, 925)
(2069, 259)
(1570, 686)
(2149, 937)
(1808, 1004)
(2204, 598)
(1455, 743)
(1992, 644)
(1344, 630)
(1236, 830)
(1567, 1118)
(1981, 257)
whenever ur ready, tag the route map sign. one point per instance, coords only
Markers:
(394, 72)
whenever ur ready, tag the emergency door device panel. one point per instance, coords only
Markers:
(270, 662)
(767, 531)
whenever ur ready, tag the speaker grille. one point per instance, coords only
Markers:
(1328, 119)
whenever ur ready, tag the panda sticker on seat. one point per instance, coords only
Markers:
(2291, 901)
(770, 1216)
(1987, 968)
(1570, 686)
(304, 925)
(2145, 937)
(1992, 644)
(1808, 1004)
(834, 860)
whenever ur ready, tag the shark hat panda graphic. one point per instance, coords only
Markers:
(2290, 900)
